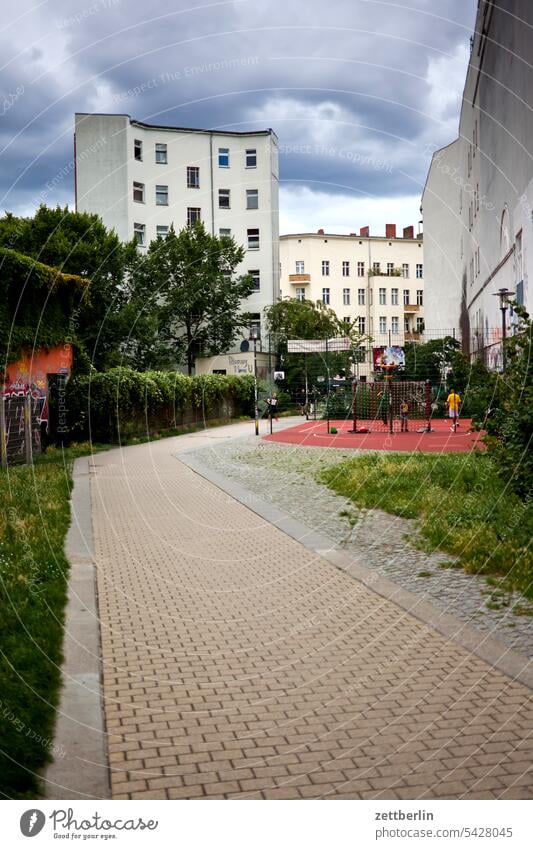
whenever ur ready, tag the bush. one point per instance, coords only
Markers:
(121, 402)
(510, 420)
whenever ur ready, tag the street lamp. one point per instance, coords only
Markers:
(255, 336)
(504, 295)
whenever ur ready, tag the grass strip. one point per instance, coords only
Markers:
(459, 502)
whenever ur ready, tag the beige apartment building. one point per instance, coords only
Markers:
(375, 281)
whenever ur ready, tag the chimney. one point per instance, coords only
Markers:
(320, 232)
(364, 231)
(390, 231)
(353, 234)
(409, 232)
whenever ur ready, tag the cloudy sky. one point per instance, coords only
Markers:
(358, 91)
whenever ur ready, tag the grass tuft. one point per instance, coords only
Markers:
(459, 502)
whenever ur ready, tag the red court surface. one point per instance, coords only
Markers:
(440, 440)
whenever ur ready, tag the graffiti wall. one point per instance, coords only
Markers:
(30, 372)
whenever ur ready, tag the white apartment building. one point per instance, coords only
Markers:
(478, 198)
(141, 178)
(375, 281)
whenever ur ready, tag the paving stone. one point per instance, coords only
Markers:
(259, 667)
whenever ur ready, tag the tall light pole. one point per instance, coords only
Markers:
(255, 335)
(504, 295)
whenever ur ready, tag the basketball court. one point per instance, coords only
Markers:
(439, 441)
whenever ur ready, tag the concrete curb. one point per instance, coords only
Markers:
(492, 651)
(80, 769)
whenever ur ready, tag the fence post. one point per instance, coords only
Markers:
(354, 405)
(428, 403)
(3, 435)
(28, 447)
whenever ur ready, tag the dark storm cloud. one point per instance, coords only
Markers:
(346, 85)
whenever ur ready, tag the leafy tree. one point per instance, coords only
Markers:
(79, 243)
(188, 281)
(510, 419)
(294, 319)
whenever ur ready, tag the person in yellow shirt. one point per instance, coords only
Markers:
(453, 402)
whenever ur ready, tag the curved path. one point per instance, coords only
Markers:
(237, 663)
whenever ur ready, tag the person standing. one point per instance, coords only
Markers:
(273, 407)
(453, 402)
(404, 416)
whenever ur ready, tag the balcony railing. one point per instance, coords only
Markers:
(299, 278)
(411, 307)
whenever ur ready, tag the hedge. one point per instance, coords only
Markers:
(119, 403)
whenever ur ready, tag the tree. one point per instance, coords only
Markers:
(188, 279)
(439, 360)
(294, 319)
(78, 243)
(510, 419)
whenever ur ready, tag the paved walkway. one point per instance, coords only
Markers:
(239, 664)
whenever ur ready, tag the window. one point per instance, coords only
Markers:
(253, 239)
(345, 268)
(224, 233)
(223, 198)
(325, 268)
(325, 296)
(251, 159)
(139, 233)
(361, 324)
(382, 324)
(406, 297)
(419, 270)
(161, 230)
(383, 296)
(300, 266)
(346, 319)
(193, 177)
(395, 324)
(376, 268)
(193, 215)
(346, 297)
(300, 294)
(138, 192)
(256, 280)
(390, 268)
(138, 150)
(223, 157)
(394, 297)
(361, 297)
(161, 154)
(406, 327)
(420, 297)
(252, 198)
(161, 195)
(360, 269)
(405, 269)
(419, 324)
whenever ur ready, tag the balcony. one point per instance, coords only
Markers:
(412, 335)
(299, 279)
(411, 307)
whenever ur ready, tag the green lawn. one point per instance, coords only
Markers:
(460, 504)
(34, 518)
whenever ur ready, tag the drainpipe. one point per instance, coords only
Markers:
(212, 187)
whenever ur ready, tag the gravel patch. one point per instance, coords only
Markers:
(285, 476)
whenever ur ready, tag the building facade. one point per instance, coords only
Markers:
(141, 178)
(376, 282)
(478, 198)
